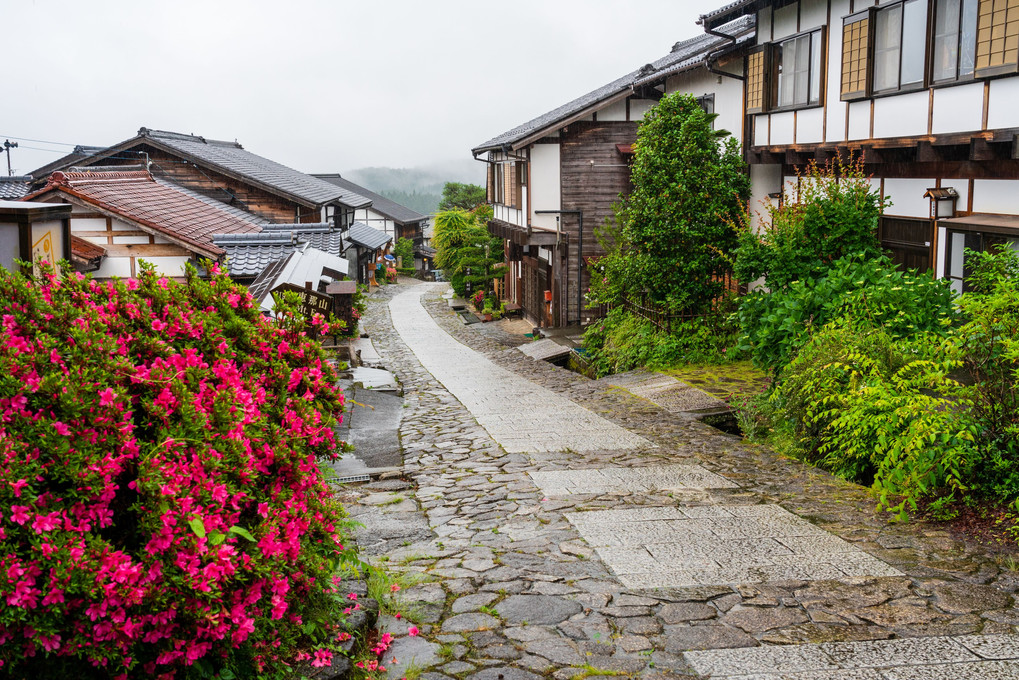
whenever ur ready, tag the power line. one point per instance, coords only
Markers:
(38, 141)
(36, 148)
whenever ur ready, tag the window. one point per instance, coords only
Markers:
(757, 89)
(957, 262)
(797, 64)
(900, 33)
(855, 56)
(498, 182)
(787, 74)
(997, 37)
(955, 32)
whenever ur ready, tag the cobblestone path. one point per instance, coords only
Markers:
(561, 527)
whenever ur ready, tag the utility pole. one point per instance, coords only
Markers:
(8, 145)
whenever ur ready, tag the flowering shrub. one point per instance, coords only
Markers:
(162, 513)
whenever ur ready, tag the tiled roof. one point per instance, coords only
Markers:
(85, 254)
(13, 188)
(249, 254)
(225, 207)
(695, 49)
(301, 266)
(726, 12)
(380, 204)
(367, 237)
(232, 158)
(138, 198)
(693, 52)
(80, 152)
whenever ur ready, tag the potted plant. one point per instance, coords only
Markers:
(488, 309)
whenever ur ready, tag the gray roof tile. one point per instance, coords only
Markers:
(380, 204)
(13, 188)
(368, 237)
(233, 158)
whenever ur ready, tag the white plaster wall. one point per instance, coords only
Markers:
(130, 240)
(1002, 109)
(996, 196)
(169, 266)
(904, 115)
(961, 187)
(117, 225)
(835, 129)
(728, 96)
(545, 183)
(790, 189)
(859, 120)
(614, 111)
(784, 21)
(813, 13)
(114, 266)
(958, 109)
(760, 130)
(907, 197)
(809, 126)
(763, 26)
(87, 224)
(939, 259)
(782, 128)
(639, 107)
(764, 180)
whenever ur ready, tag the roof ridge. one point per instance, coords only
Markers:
(66, 178)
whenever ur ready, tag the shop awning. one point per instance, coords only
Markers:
(984, 222)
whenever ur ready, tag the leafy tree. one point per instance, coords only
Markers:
(463, 196)
(471, 257)
(836, 215)
(404, 249)
(689, 185)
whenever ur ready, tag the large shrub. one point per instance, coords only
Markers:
(471, 257)
(162, 513)
(865, 290)
(688, 185)
(834, 214)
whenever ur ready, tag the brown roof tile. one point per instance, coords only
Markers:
(137, 197)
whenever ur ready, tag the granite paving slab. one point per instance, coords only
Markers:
(628, 480)
(920, 658)
(733, 545)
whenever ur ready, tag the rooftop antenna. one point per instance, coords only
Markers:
(8, 145)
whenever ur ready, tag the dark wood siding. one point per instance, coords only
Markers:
(592, 188)
(909, 242)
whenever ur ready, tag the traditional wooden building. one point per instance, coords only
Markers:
(925, 90)
(393, 219)
(552, 180)
(119, 217)
(227, 172)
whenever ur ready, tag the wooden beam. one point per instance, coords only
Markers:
(980, 150)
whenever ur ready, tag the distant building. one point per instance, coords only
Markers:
(386, 215)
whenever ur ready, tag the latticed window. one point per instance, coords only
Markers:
(997, 37)
(756, 86)
(855, 51)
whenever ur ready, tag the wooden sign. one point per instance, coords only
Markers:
(312, 302)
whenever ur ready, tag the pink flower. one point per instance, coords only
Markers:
(323, 657)
(62, 430)
(107, 397)
(18, 486)
(393, 588)
(412, 631)
(19, 514)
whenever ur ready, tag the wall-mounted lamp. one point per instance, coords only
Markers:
(943, 200)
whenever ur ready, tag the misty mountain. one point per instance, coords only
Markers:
(419, 188)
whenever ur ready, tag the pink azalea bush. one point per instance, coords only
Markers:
(162, 512)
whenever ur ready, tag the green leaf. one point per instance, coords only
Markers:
(241, 531)
(217, 538)
(197, 526)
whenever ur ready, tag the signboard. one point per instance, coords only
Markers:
(312, 302)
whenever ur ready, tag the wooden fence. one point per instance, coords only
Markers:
(663, 319)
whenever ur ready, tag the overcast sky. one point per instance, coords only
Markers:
(322, 86)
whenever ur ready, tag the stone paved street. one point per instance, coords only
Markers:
(560, 527)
